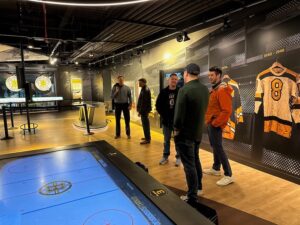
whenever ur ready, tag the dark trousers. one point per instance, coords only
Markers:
(167, 131)
(119, 107)
(189, 154)
(220, 157)
(146, 126)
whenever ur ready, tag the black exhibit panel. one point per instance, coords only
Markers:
(86, 184)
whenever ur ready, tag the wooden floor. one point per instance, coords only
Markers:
(254, 192)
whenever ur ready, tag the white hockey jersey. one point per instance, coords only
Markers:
(275, 91)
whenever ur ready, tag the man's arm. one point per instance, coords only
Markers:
(114, 91)
(148, 100)
(158, 104)
(180, 111)
(225, 100)
(129, 98)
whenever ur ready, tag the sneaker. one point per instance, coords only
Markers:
(116, 137)
(212, 171)
(225, 181)
(178, 162)
(163, 161)
(145, 142)
(185, 197)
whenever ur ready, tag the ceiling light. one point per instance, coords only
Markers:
(30, 46)
(167, 55)
(76, 63)
(89, 4)
(52, 61)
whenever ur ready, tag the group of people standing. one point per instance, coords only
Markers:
(184, 113)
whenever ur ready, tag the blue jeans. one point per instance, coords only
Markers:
(167, 131)
(146, 126)
(189, 154)
(220, 157)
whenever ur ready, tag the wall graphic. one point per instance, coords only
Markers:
(76, 85)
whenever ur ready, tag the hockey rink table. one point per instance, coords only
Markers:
(88, 184)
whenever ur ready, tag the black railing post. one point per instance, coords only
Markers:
(11, 117)
(87, 120)
(5, 124)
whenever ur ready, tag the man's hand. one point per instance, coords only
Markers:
(139, 115)
(129, 107)
(176, 132)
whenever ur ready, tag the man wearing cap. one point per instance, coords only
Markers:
(121, 96)
(191, 105)
(144, 108)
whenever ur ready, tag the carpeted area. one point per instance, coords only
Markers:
(228, 215)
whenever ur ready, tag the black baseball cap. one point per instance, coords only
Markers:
(193, 69)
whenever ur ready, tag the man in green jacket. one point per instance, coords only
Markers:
(191, 105)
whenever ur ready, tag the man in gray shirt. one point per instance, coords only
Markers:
(121, 95)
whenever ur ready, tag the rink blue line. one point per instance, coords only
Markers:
(79, 199)
(54, 174)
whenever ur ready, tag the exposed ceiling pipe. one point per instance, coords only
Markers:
(55, 47)
(186, 29)
(89, 47)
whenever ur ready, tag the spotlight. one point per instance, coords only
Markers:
(53, 61)
(183, 37)
(140, 51)
(91, 55)
(226, 24)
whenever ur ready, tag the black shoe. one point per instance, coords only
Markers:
(192, 203)
(128, 137)
(116, 137)
(143, 139)
(145, 142)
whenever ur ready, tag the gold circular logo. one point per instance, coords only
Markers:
(43, 83)
(12, 83)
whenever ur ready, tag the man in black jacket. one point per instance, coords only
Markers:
(144, 108)
(165, 106)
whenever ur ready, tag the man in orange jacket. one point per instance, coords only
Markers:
(217, 114)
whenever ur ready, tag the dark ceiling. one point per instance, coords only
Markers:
(89, 34)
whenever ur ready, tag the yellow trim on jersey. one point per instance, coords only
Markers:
(280, 129)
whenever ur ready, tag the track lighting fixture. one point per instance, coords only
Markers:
(183, 37)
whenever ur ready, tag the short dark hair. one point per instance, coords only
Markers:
(143, 80)
(173, 74)
(120, 76)
(216, 69)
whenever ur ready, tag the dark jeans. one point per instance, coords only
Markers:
(189, 154)
(220, 157)
(119, 108)
(146, 126)
(167, 131)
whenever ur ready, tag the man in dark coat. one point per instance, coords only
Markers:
(165, 106)
(144, 108)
